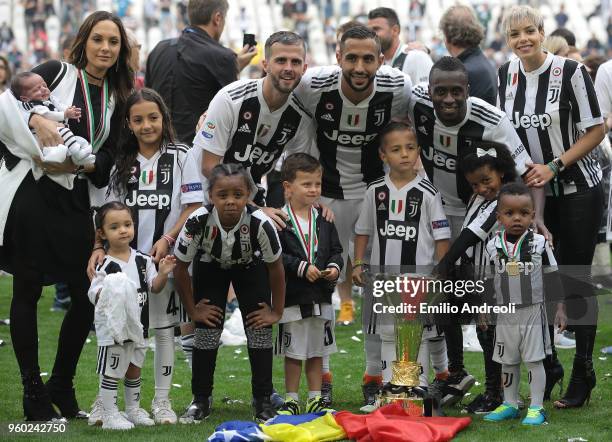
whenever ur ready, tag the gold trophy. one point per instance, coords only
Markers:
(404, 386)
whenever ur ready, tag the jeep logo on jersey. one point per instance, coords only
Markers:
(347, 139)
(254, 155)
(441, 159)
(541, 121)
(148, 199)
(398, 230)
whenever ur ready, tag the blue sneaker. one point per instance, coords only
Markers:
(535, 416)
(503, 412)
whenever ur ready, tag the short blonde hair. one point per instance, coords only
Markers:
(517, 14)
(556, 45)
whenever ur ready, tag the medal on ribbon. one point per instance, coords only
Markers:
(95, 134)
(309, 240)
(512, 265)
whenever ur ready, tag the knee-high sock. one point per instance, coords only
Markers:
(387, 351)
(537, 382)
(132, 393)
(423, 359)
(438, 355)
(108, 393)
(511, 379)
(373, 355)
(164, 361)
(187, 346)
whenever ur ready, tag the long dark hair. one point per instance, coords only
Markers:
(128, 143)
(120, 75)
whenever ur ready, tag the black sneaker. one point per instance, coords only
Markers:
(370, 390)
(276, 399)
(484, 403)
(455, 387)
(263, 409)
(327, 393)
(197, 411)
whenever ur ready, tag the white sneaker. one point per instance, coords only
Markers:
(96, 413)
(113, 420)
(562, 341)
(162, 412)
(139, 416)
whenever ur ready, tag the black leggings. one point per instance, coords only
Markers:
(27, 289)
(252, 287)
(574, 222)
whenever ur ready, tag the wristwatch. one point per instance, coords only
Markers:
(559, 163)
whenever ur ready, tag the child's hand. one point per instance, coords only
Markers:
(208, 314)
(358, 276)
(313, 273)
(263, 317)
(159, 250)
(167, 264)
(73, 113)
(331, 274)
(561, 317)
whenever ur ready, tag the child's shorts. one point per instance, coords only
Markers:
(165, 308)
(307, 338)
(522, 336)
(114, 360)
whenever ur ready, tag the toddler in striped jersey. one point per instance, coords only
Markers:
(123, 359)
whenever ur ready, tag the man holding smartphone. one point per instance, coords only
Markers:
(189, 70)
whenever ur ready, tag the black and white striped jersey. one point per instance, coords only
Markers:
(241, 128)
(525, 286)
(347, 133)
(158, 189)
(252, 239)
(480, 219)
(551, 108)
(444, 147)
(403, 223)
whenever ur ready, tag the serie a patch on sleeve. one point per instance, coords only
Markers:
(191, 187)
(439, 224)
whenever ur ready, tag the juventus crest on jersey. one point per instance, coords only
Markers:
(241, 128)
(443, 147)
(403, 223)
(551, 108)
(347, 133)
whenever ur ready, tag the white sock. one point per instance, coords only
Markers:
(438, 354)
(511, 380)
(164, 361)
(108, 393)
(373, 355)
(187, 345)
(292, 395)
(313, 394)
(132, 393)
(325, 364)
(423, 359)
(387, 351)
(537, 382)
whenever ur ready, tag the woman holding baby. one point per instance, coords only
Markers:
(46, 228)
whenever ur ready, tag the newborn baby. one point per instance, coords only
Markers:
(35, 97)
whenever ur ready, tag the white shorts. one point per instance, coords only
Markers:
(307, 338)
(165, 307)
(346, 213)
(522, 336)
(114, 360)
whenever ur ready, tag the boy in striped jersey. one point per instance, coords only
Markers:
(403, 212)
(523, 266)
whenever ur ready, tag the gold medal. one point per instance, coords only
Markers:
(512, 268)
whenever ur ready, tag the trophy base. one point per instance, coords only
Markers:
(414, 400)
